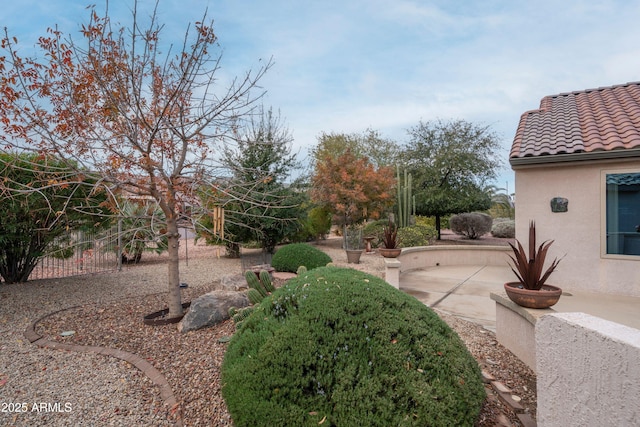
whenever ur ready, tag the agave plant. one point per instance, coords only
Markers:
(529, 269)
(143, 230)
(390, 238)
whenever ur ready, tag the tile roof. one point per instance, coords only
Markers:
(605, 119)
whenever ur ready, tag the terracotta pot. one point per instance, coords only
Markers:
(353, 256)
(544, 298)
(390, 253)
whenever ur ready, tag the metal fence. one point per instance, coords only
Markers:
(251, 258)
(79, 253)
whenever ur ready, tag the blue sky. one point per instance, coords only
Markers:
(349, 65)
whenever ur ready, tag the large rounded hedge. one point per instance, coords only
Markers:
(338, 347)
(290, 257)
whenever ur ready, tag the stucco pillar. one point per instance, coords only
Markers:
(392, 272)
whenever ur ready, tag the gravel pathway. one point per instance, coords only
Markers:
(61, 388)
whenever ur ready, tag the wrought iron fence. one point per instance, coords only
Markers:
(251, 258)
(79, 253)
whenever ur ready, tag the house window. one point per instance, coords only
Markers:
(623, 213)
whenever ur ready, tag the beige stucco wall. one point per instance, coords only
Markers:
(577, 233)
(428, 256)
(587, 370)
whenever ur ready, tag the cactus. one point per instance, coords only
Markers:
(301, 270)
(254, 283)
(232, 311)
(265, 279)
(254, 296)
(406, 200)
(242, 314)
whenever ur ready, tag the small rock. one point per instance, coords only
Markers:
(516, 398)
(487, 377)
(67, 333)
(502, 420)
(501, 387)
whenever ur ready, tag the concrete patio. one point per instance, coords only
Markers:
(463, 290)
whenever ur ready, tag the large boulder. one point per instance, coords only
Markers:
(211, 308)
(233, 282)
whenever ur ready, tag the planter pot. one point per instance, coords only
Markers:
(353, 256)
(544, 298)
(159, 318)
(390, 253)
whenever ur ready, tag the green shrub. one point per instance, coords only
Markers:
(431, 221)
(319, 222)
(416, 235)
(290, 257)
(504, 228)
(420, 234)
(339, 347)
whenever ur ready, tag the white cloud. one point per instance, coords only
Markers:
(347, 65)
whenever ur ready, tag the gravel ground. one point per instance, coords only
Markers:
(88, 389)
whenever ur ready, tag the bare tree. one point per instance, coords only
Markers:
(146, 123)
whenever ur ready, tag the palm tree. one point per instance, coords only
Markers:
(501, 203)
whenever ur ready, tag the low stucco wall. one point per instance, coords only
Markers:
(515, 329)
(588, 372)
(430, 256)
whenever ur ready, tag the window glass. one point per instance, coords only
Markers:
(623, 213)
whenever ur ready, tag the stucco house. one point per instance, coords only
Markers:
(577, 174)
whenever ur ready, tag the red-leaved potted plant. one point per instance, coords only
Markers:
(390, 241)
(531, 289)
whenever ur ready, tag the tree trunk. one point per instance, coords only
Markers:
(438, 227)
(173, 239)
(233, 250)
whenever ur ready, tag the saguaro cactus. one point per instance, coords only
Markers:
(406, 200)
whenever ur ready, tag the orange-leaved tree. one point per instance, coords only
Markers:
(146, 124)
(351, 187)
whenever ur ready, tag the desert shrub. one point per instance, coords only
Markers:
(471, 225)
(504, 227)
(416, 235)
(501, 219)
(290, 257)
(339, 347)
